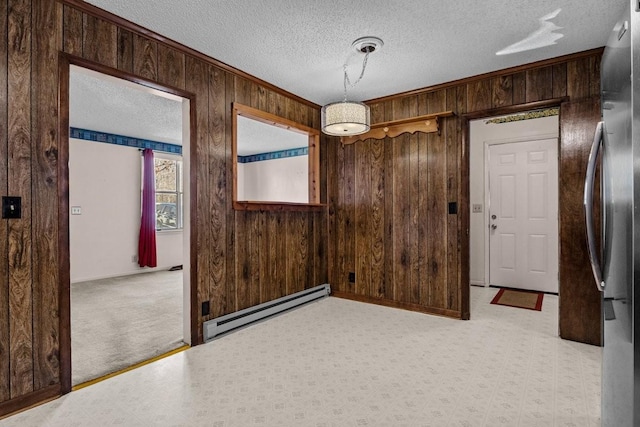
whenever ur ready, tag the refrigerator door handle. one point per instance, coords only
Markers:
(588, 206)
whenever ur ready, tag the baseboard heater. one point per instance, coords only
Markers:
(226, 323)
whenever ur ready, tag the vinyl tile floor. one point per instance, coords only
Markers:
(343, 363)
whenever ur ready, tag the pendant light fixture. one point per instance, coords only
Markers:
(348, 118)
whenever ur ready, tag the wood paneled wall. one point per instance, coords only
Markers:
(580, 302)
(242, 258)
(389, 218)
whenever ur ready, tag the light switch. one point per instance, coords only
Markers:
(477, 208)
(11, 207)
(76, 210)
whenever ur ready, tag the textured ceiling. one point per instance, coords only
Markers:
(301, 46)
(107, 104)
(255, 137)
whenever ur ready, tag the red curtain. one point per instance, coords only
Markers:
(147, 241)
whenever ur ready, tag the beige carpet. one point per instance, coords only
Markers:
(121, 321)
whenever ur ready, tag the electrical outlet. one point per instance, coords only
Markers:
(205, 308)
(477, 208)
(134, 258)
(352, 277)
(76, 210)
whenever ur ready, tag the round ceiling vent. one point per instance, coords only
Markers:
(367, 44)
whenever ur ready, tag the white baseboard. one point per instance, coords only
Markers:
(477, 283)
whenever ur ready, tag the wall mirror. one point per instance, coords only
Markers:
(275, 162)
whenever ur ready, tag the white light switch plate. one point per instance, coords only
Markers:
(477, 208)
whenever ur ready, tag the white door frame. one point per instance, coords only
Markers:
(487, 144)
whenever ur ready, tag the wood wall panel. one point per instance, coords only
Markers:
(19, 184)
(401, 204)
(125, 50)
(255, 223)
(463, 200)
(318, 246)
(5, 374)
(437, 208)
(218, 174)
(578, 82)
(199, 84)
(99, 41)
(171, 67)
(302, 239)
(479, 95)
(339, 276)
(502, 91)
(453, 178)
(241, 92)
(415, 173)
(539, 84)
(362, 216)
(44, 165)
(422, 229)
(349, 217)
(579, 314)
(376, 224)
(263, 252)
(389, 217)
(281, 247)
(254, 226)
(594, 76)
(145, 59)
(36, 31)
(519, 84)
(72, 43)
(559, 73)
(230, 291)
(423, 250)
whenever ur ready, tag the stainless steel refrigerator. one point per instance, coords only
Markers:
(615, 259)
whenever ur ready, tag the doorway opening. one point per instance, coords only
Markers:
(513, 198)
(121, 314)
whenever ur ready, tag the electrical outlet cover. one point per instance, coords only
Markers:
(205, 308)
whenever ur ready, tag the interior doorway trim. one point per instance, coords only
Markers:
(465, 261)
(486, 145)
(64, 297)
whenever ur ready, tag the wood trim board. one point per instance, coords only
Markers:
(65, 61)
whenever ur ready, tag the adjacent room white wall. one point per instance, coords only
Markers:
(480, 134)
(275, 180)
(105, 184)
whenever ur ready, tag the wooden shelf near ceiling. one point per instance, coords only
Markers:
(427, 124)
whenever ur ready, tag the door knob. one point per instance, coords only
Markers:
(493, 226)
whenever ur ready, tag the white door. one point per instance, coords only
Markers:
(523, 215)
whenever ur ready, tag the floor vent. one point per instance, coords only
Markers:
(226, 323)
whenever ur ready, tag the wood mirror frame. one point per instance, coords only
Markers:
(313, 156)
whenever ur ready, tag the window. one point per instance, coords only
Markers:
(169, 195)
